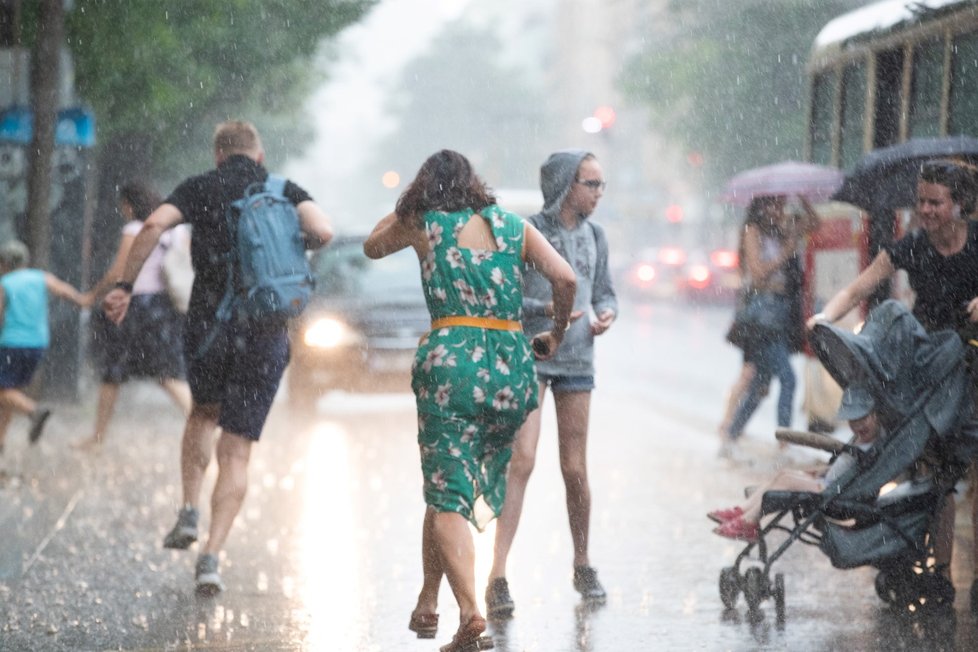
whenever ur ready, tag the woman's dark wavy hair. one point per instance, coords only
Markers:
(142, 197)
(958, 177)
(445, 182)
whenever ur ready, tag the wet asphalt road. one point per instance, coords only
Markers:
(326, 552)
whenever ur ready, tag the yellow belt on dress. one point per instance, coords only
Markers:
(479, 322)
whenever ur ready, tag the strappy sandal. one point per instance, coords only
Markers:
(424, 625)
(469, 637)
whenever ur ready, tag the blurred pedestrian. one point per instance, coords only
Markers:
(149, 343)
(473, 375)
(769, 250)
(233, 366)
(25, 334)
(941, 261)
(572, 183)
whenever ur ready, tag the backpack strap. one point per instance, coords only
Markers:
(275, 185)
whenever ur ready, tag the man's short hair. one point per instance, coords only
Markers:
(14, 254)
(236, 137)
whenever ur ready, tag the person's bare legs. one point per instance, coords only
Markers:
(518, 476)
(179, 391)
(108, 393)
(736, 394)
(233, 454)
(430, 565)
(457, 551)
(785, 480)
(18, 401)
(573, 411)
(195, 449)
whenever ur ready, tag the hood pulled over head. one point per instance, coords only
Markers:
(556, 176)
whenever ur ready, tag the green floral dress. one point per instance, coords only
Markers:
(474, 386)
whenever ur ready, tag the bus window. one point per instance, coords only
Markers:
(823, 101)
(963, 113)
(889, 80)
(853, 109)
(925, 91)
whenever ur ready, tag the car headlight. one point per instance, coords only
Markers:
(328, 333)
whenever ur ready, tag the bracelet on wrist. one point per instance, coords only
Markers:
(123, 285)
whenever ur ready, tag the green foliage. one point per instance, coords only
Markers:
(730, 81)
(163, 72)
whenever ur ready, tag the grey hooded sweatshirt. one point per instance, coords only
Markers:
(585, 247)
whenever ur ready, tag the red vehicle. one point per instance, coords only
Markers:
(712, 276)
(655, 273)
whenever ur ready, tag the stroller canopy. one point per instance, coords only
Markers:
(918, 382)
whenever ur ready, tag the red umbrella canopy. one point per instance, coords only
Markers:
(814, 182)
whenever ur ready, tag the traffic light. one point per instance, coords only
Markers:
(603, 118)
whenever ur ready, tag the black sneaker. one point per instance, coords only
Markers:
(38, 419)
(184, 532)
(207, 576)
(499, 603)
(586, 583)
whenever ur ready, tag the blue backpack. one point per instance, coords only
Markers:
(274, 280)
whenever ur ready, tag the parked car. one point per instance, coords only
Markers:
(655, 273)
(362, 326)
(712, 276)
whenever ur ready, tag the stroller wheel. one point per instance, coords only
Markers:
(755, 587)
(896, 586)
(729, 587)
(937, 591)
(778, 594)
(884, 587)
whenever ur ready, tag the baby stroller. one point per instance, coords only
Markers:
(921, 390)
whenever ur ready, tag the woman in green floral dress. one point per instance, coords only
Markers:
(473, 374)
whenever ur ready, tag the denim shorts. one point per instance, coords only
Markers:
(17, 366)
(240, 370)
(560, 384)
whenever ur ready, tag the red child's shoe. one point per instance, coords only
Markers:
(739, 529)
(723, 515)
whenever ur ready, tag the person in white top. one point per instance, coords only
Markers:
(150, 343)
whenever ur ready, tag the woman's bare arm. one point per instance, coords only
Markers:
(857, 291)
(391, 234)
(540, 253)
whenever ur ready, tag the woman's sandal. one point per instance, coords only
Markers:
(469, 637)
(424, 625)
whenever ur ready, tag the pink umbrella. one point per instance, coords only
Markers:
(814, 182)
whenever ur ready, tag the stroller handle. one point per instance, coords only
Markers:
(810, 439)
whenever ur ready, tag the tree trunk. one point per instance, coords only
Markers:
(45, 75)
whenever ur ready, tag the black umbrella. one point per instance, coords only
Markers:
(886, 179)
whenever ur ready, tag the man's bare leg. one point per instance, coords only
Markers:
(233, 455)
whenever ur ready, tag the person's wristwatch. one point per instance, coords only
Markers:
(123, 285)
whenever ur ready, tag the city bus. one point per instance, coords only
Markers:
(891, 71)
(878, 76)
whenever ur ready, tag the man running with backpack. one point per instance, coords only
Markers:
(236, 343)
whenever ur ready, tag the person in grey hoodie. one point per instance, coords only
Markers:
(572, 183)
